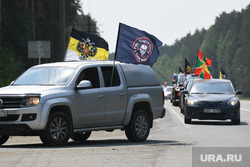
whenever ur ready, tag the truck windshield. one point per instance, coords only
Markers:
(46, 76)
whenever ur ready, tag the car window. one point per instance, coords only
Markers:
(212, 88)
(181, 79)
(110, 76)
(90, 74)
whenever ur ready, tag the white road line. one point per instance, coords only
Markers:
(178, 116)
(244, 109)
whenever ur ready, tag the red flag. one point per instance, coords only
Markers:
(202, 68)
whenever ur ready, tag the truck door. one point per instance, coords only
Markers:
(114, 96)
(89, 112)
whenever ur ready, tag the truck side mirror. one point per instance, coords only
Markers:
(84, 84)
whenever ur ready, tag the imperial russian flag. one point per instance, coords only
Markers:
(85, 46)
(136, 46)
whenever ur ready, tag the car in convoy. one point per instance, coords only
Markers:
(177, 85)
(212, 99)
(63, 100)
(183, 95)
(167, 91)
(190, 78)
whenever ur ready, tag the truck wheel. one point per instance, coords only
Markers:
(57, 131)
(3, 139)
(81, 136)
(138, 127)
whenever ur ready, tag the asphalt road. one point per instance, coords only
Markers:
(170, 144)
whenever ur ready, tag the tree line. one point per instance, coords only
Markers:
(37, 20)
(226, 43)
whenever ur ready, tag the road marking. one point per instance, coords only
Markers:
(178, 116)
(245, 109)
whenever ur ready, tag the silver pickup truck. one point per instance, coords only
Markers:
(59, 101)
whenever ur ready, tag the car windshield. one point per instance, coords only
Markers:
(46, 76)
(189, 85)
(211, 88)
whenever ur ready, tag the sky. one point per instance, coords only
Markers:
(168, 20)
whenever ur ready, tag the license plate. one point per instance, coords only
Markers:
(3, 113)
(211, 110)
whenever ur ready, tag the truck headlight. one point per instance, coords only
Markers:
(30, 101)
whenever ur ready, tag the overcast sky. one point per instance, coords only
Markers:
(168, 20)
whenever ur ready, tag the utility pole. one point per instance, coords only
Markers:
(0, 15)
(62, 27)
(33, 19)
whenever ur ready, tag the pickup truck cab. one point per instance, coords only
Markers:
(59, 101)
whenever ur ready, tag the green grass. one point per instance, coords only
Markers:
(244, 98)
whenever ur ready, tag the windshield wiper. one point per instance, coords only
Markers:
(197, 93)
(214, 93)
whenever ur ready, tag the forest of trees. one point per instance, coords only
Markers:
(37, 20)
(226, 43)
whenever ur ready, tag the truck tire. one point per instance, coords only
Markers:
(3, 139)
(139, 127)
(81, 136)
(58, 130)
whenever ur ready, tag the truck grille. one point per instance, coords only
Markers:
(10, 102)
(9, 118)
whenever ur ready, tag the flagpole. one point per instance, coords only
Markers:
(117, 40)
(115, 55)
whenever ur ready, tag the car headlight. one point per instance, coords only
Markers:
(30, 101)
(192, 102)
(233, 102)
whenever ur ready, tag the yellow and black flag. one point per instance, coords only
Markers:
(222, 74)
(84, 46)
(188, 69)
